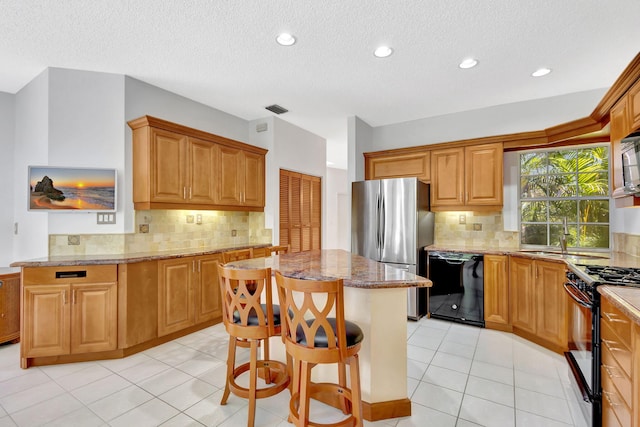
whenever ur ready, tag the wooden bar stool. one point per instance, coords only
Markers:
(237, 255)
(312, 337)
(250, 324)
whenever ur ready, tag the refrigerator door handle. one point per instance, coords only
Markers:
(382, 224)
(378, 224)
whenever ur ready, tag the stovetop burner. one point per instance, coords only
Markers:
(614, 275)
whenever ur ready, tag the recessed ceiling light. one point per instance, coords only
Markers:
(285, 39)
(383, 52)
(468, 63)
(541, 72)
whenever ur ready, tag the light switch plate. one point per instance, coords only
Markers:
(106, 218)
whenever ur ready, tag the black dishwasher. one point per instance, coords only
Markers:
(457, 293)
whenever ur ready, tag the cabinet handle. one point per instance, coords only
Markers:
(199, 266)
(466, 197)
(64, 297)
(190, 193)
(184, 193)
(193, 266)
(73, 296)
(612, 317)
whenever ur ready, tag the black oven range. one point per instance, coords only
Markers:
(584, 328)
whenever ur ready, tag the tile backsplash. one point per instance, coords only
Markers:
(474, 229)
(170, 230)
(626, 243)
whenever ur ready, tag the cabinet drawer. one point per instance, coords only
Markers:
(612, 399)
(619, 322)
(616, 374)
(70, 274)
(612, 343)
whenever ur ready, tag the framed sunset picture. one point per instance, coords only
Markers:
(63, 189)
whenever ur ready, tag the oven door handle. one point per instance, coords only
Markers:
(578, 296)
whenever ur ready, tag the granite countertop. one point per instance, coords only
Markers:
(329, 264)
(126, 258)
(624, 298)
(617, 259)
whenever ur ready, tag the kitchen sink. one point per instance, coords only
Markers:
(569, 256)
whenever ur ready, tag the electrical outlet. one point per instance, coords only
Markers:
(143, 228)
(73, 240)
(234, 233)
(198, 219)
(189, 219)
(106, 218)
(462, 219)
(477, 226)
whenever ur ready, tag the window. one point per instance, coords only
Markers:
(570, 183)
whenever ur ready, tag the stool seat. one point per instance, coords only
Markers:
(353, 332)
(253, 320)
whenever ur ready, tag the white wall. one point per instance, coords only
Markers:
(338, 210)
(295, 149)
(86, 113)
(524, 116)
(31, 147)
(7, 121)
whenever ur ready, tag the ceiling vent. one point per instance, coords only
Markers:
(275, 108)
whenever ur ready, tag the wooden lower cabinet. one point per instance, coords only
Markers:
(620, 362)
(9, 307)
(188, 292)
(496, 292)
(68, 310)
(539, 304)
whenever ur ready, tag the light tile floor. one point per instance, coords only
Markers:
(458, 375)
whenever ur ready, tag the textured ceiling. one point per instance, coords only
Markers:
(223, 53)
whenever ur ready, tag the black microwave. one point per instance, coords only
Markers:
(630, 164)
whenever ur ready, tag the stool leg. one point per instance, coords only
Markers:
(231, 362)
(342, 380)
(253, 378)
(305, 388)
(356, 398)
(265, 356)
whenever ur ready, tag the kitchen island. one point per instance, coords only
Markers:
(376, 299)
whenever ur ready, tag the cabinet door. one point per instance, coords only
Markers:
(175, 295)
(447, 177)
(208, 302)
(399, 166)
(94, 317)
(634, 111)
(523, 293)
(496, 291)
(169, 169)
(552, 320)
(483, 175)
(202, 164)
(253, 180)
(230, 176)
(46, 322)
(9, 307)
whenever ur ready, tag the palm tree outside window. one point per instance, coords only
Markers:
(569, 182)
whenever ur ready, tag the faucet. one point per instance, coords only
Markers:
(563, 238)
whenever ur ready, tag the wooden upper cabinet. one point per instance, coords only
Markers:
(241, 178)
(634, 106)
(483, 175)
(447, 185)
(176, 167)
(398, 165)
(467, 177)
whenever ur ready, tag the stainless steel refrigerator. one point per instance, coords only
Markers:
(391, 223)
